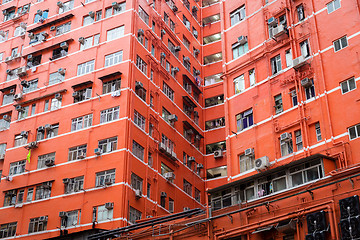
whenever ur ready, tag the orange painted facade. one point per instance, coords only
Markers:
(115, 112)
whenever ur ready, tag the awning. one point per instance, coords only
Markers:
(68, 40)
(8, 88)
(50, 22)
(41, 97)
(82, 84)
(114, 74)
(188, 125)
(196, 88)
(188, 100)
(263, 229)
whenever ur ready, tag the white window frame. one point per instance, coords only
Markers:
(349, 87)
(355, 130)
(81, 122)
(340, 43)
(113, 58)
(109, 115)
(331, 7)
(239, 84)
(101, 177)
(115, 33)
(86, 67)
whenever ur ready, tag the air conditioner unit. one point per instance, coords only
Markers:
(199, 166)
(18, 96)
(44, 34)
(249, 152)
(299, 62)
(191, 159)
(19, 108)
(64, 45)
(163, 194)
(173, 155)
(76, 95)
(2, 33)
(62, 71)
(81, 155)
(21, 72)
(116, 93)
(262, 163)
(52, 28)
(7, 117)
(190, 131)
(66, 180)
(92, 14)
(109, 205)
(285, 137)
(279, 30)
(39, 12)
(218, 153)
(169, 176)
(172, 118)
(12, 91)
(8, 59)
(175, 69)
(60, 4)
(97, 151)
(29, 57)
(306, 82)
(15, 16)
(177, 48)
(195, 33)
(58, 96)
(162, 55)
(186, 59)
(43, 218)
(23, 25)
(115, 5)
(140, 32)
(31, 35)
(17, 55)
(63, 214)
(139, 84)
(49, 162)
(197, 72)
(41, 129)
(47, 185)
(33, 145)
(174, 8)
(81, 40)
(186, 209)
(5, 12)
(298, 140)
(163, 32)
(138, 193)
(149, 216)
(47, 126)
(242, 40)
(162, 147)
(196, 52)
(2, 156)
(272, 22)
(108, 182)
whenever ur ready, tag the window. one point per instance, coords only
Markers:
(43, 191)
(186, 22)
(115, 33)
(305, 173)
(24, 113)
(186, 42)
(87, 20)
(10, 197)
(4, 37)
(211, 19)
(252, 78)
(82, 95)
(53, 131)
(109, 115)
(278, 104)
(81, 122)
(41, 17)
(134, 215)
(153, 26)
(33, 109)
(354, 131)
(32, 86)
(165, 115)
(56, 77)
(141, 64)
(38, 224)
(20, 140)
(246, 162)
(139, 120)
(300, 12)
(197, 195)
(73, 184)
(88, 42)
(288, 57)
(286, 145)
(239, 84)
(8, 98)
(168, 91)
(77, 153)
(186, 62)
(214, 101)
(101, 213)
(67, 6)
(111, 86)
(55, 104)
(141, 92)
(19, 31)
(171, 205)
(348, 85)
(298, 140)
(310, 91)
(138, 150)
(216, 123)
(108, 145)
(187, 187)
(136, 182)
(113, 58)
(213, 58)
(163, 199)
(294, 100)
(2, 148)
(237, 15)
(244, 120)
(43, 158)
(340, 43)
(63, 28)
(305, 49)
(105, 178)
(212, 38)
(86, 67)
(72, 219)
(143, 15)
(333, 5)
(239, 49)
(275, 64)
(30, 194)
(8, 230)
(212, 147)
